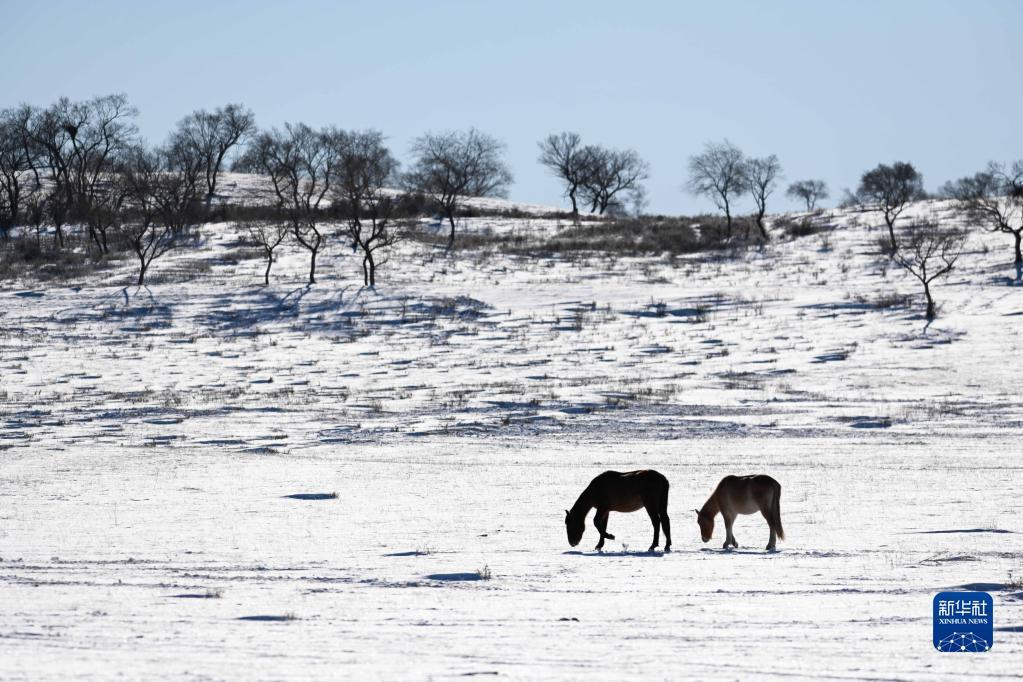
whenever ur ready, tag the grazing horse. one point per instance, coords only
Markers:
(621, 492)
(742, 495)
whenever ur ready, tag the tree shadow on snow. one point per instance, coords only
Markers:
(983, 587)
(311, 496)
(454, 577)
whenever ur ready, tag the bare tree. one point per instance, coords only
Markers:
(300, 164)
(21, 120)
(208, 136)
(810, 191)
(994, 200)
(364, 168)
(761, 176)
(611, 172)
(453, 165)
(81, 144)
(718, 174)
(890, 189)
(55, 205)
(850, 200)
(160, 204)
(929, 252)
(571, 162)
(36, 205)
(269, 234)
(14, 162)
(140, 226)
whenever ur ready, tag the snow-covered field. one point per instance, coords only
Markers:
(210, 478)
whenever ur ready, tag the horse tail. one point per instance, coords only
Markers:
(776, 512)
(662, 504)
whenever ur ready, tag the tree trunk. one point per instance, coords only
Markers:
(451, 236)
(372, 272)
(575, 206)
(269, 264)
(930, 301)
(1019, 254)
(142, 271)
(763, 230)
(95, 238)
(728, 221)
(891, 234)
(14, 201)
(312, 265)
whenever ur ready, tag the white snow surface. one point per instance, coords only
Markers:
(153, 442)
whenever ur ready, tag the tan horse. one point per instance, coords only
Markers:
(742, 495)
(613, 491)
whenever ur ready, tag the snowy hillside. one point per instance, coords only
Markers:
(255, 190)
(211, 477)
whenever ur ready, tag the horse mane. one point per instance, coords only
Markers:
(711, 506)
(583, 504)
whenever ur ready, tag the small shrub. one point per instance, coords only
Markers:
(799, 228)
(887, 300)
(884, 245)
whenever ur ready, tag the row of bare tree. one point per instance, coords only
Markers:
(600, 178)
(990, 200)
(83, 164)
(605, 179)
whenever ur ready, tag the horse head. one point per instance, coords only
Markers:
(575, 527)
(706, 522)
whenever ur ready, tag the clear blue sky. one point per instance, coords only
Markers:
(831, 87)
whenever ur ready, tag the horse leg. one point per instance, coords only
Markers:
(654, 519)
(666, 524)
(729, 538)
(662, 512)
(774, 537)
(600, 523)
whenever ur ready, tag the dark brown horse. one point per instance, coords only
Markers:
(621, 492)
(742, 495)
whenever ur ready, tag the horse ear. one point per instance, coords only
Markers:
(697, 511)
(567, 514)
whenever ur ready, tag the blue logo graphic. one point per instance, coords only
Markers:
(963, 621)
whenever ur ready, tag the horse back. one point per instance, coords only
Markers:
(630, 490)
(746, 494)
